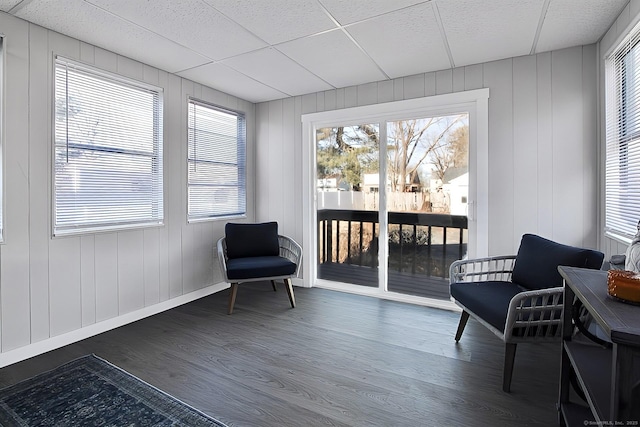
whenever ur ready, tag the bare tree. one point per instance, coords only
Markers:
(413, 141)
(350, 152)
(454, 152)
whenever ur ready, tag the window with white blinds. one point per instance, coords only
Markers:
(108, 151)
(216, 162)
(622, 210)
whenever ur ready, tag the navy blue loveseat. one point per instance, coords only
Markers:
(518, 297)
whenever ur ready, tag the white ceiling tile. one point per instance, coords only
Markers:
(276, 70)
(334, 58)
(397, 37)
(566, 24)
(83, 21)
(191, 23)
(276, 21)
(404, 42)
(350, 11)
(219, 76)
(485, 30)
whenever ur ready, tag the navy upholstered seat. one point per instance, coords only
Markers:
(489, 300)
(259, 267)
(518, 297)
(256, 252)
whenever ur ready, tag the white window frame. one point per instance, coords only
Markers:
(240, 146)
(2, 139)
(114, 223)
(622, 205)
(474, 102)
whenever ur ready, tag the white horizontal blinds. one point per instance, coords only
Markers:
(216, 162)
(623, 137)
(108, 151)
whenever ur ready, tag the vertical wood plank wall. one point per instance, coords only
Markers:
(629, 16)
(52, 286)
(542, 143)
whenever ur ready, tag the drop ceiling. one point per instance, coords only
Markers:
(261, 50)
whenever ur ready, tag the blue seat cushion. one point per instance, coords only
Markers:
(488, 300)
(256, 267)
(252, 240)
(537, 261)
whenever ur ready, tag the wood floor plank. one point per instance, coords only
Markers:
(335, 360)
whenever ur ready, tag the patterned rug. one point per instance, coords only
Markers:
(90, 391)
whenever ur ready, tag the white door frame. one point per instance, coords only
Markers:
(474, 102)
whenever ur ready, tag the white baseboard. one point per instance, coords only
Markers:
(22, 353)
(298, 282)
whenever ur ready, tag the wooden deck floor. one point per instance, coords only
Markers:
(405, 282)
(336, 360)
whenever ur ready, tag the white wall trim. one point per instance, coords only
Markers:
(22, 353)
(395, 110)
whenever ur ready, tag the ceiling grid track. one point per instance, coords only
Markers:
(356, 44)
(18, 6)
(543, 14)
(436, 13)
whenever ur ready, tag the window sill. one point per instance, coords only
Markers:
(618, 237)
(80, 231)
(215, 218)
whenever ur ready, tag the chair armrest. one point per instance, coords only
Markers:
(535, 316)
(291, 250)
(222, 257)
(482, 269)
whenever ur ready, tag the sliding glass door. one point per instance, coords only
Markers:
(421, 189)
(391, 193)
(347, 164)
(427, 173)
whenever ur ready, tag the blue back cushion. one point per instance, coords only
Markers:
(538, 259)
(252, 240)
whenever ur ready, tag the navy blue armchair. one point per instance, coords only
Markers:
(256, 252)
(518, 297)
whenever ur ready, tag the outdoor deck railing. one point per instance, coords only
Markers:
(351, 237)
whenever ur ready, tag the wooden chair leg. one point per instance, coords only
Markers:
(232, 297)
(509, 359)
(273, 284)
(461, 325)
(292, 298)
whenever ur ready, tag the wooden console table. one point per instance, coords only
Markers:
(609, 377)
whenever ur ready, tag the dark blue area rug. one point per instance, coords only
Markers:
(92, 392)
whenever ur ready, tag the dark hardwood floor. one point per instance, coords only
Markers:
(335, 360)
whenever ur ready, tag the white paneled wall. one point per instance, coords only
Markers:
(542, 143)
(56, 290)
(629, 17)
(543, 178)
